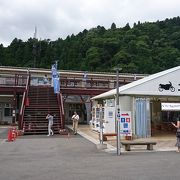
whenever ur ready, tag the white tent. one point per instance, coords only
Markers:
(150, 85)
(144, 97)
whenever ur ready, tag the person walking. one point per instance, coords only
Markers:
(177, 134)
(49, 117)
(75, 119)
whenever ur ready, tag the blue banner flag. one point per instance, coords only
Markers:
(56, 85)
(54, 70)
(55, 79)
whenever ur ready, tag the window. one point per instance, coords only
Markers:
(8, 110)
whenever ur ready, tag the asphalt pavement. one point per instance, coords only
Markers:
(75, 158)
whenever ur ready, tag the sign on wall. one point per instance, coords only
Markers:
(125, 123)
(170, 106)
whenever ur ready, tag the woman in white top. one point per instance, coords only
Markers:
(49, 117)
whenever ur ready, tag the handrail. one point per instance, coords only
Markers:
(61, 101)
(23, 104)
(61, 110)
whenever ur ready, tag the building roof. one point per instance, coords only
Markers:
(150, 85)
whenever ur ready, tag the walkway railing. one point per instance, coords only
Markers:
(92, 83)
(13, 80)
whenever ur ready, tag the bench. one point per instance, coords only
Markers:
(128, 144)
(108, 134)
(105, 135)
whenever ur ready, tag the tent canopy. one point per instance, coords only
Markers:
(165, 83)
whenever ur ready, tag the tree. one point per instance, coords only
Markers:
(146, 48)
(93, 58)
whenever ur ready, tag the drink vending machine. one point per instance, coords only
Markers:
(95, 122)
(108, 118)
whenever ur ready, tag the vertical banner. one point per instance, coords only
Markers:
(54, 70)
(55, 79)
(56, 85)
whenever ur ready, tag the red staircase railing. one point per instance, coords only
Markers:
(24, 102)
(61, 110)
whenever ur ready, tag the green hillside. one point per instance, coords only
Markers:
(144, 48)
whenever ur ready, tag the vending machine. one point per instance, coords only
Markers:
(107, 114)
(109, 120)
(95, 122)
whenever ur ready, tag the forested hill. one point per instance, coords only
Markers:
(144, 48)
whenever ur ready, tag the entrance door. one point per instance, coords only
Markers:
(143, 123)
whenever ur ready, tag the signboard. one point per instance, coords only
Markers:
(170, 106)
(55, 79)
(125, 123)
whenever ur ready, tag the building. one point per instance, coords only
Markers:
(154, 102)
(77, 87)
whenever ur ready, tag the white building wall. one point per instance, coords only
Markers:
(125, 103)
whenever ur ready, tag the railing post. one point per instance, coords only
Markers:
(74, 81)
(91, 83)
(15, 80)
(66, 81)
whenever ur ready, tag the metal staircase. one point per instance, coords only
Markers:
(42, 100)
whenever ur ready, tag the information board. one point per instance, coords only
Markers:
(125, 123)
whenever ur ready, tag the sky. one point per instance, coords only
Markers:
(59, 18)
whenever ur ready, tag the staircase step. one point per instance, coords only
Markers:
(42, 100)
(38, 133)
(55, 106)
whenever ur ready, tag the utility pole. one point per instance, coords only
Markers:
(118, 136)
(34, 47)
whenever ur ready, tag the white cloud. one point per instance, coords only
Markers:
(59, 18)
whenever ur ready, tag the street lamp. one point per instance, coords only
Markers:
(118, 137)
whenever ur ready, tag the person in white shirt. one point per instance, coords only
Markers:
(75, 119)
(49, 117)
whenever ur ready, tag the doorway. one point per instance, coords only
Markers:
(161, 120)
(79, 108)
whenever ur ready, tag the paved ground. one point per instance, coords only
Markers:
(165, 142)
(75, 158)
